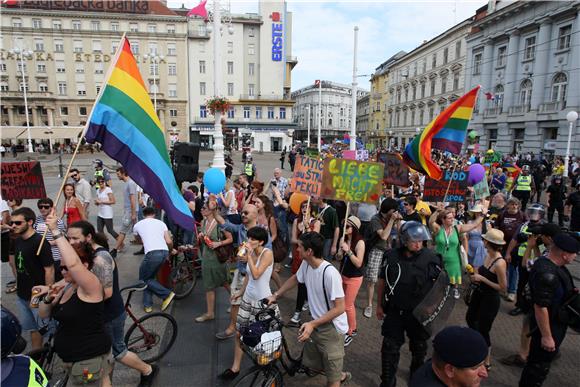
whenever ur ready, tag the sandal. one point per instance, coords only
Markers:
(203, 318)
(229, 374)
(347, 378)
(11, 289)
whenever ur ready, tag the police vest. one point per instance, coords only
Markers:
(524, 183)
(20, 370)
(99, 174)
(249, 169)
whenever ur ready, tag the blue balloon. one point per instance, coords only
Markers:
(214, 180)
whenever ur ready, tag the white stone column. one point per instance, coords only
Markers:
(541, 65)
(513, 59)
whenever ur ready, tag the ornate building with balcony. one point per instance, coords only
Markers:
(334, 115)
(526, 56)
(362, 118)
(423, 82)
(256, 78)
(71, 46)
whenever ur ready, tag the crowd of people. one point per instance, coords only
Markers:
(402, 247)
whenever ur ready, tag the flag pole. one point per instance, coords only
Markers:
(80, 138)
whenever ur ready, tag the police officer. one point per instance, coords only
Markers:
(408, 273)
(17, 370)
(552, 289)
(250, 169)
(100, 172)
(524, 186)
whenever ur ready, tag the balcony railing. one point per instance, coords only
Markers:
(519, 110)
(271, 97)
(552, 107)
(492, 112)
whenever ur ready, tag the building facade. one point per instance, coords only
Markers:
(71, 46)
(423, 82)
(335, 113)
(526, 56)
(256, 71)
(362, 118)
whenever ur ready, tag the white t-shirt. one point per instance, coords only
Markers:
(105, 210)
(152, 233)
(332, 283)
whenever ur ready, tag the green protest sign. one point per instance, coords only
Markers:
(312, 153)
(481, 189)
(352, 180)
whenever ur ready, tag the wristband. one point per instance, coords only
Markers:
(57, 235)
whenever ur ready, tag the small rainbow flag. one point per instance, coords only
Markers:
(124, 121)
(446, 132)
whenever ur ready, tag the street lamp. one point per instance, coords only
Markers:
(217, 18)
(572, 117)
(156, 59)
(308, 125)
(24, 54)
(50, 133)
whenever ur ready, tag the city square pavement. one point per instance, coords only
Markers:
(197, 357)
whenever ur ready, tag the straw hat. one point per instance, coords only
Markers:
(354, 221)
(476, 208)
(494, 236)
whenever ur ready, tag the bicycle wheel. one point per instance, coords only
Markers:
(183, 279)
(259, 376)
(152, 336)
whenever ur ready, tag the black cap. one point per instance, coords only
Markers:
(461, 347)
(547, 229)
(567, 243)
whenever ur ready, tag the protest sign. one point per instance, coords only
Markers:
(307, 177)
(22, 180)
(352, 181)
(396, 172)
(312, 153)
(362, 155)
(481, 189)
(434, 190)
(349, 154)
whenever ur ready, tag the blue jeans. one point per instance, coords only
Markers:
(512, 278)
(326, 249)
(148, 274)
(116, 329)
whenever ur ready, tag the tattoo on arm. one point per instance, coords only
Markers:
(103, 269)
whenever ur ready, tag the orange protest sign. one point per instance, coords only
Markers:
(307, 177)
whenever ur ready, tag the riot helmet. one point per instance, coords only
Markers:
(413, 231)
(12, 341)
(536, 212)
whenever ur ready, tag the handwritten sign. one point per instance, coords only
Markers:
(396, 172)
(434, 190)
(352, 181)
(481, 189)
(22, 180)
(349, 154)
(362, 155)
(307, 177)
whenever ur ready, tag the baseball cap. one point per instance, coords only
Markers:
(461, 347)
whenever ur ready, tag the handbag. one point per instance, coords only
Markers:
(469, 292)
(224, 252)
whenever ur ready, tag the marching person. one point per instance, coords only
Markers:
(82, 189)
(556, 197)
(409, 272)
(129, 209)
(524, 186)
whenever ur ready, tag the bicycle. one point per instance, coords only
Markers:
(152, 335)
(265, 372)
(50, 363)
(185, 268)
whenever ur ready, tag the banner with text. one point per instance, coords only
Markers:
(307, 177)
(22, 180)
(434, 190)
(352, 181)
(396, 172)
(481, 189)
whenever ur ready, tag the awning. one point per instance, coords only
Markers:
(40, 132)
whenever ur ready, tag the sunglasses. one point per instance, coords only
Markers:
(44, 207)
(75, 175)
(63, 268)
(405, 204)
(245, 212)
(16, 222)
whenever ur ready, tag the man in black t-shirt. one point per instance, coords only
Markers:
(573, 207)
(410, 213)
(556, 195)
(31, 269)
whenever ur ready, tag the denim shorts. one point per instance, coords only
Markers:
(28, 316)
(116, 329)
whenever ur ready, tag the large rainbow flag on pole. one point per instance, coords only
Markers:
(446, 132)
(124, 121)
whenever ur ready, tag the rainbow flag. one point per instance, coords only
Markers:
(124, 121)
(446, 132)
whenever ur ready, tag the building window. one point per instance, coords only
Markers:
(171, 50)
(153, 68)
(78, 46)
(431, 113)
(153, 48)
(36, 23)
(414, 92)
(530, 48)
(201, 30)
(251, 49)
(457, 49)
(64, 111)
(76, 25)
(42, 87)
(443, 84)
(58, 46)
(99, 68)
(559, 85)
(501, 56)
(172, 112)
(82, 110)
(230, 67)
(202, 111)
(251, 31)
(114, 46)
(231, 112)
(95, 25)
(38, 45)
(202, 67)
(456, 81)
(564, 37)
(60, 67)
(432, 88)
(526, 92)
(79, 68)
(135, 48)
(201, 46)
(251, 89)
(498, 96)
(258, 112)
(57, 24)
(201, 88)
(114, 26)
(425, 66)
(171, 28)
(477, 59)
(422, 89)
(434, 61)
(16, 22)
(445, 55)
(230, 89)
(270, 112)
(81, 90)
(62, 90)
(171, 69)
(151, 28)
(97, 47)
(22, 67)
(134, 27)
(230, 47)
(251, 68)
(3, 67)
(421, 116)
(40, 67)
(172, 90)
(282, 113)
(246, 112)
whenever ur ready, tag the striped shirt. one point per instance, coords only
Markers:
(40, 226)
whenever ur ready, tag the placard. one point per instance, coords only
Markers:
(349, 154)
(22, 180)
(352, 181)
(307, 178)
(312, 153)
(396, 171)
(481, 189)
(434, 190)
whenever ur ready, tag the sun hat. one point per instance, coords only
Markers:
(476, 208)
(494, 236)
(354, 221)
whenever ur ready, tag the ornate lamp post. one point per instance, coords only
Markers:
(572, 117)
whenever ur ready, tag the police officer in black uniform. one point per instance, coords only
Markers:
(406, 276)
(552, 290)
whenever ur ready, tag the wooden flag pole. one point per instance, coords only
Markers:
(344, 225)
(306, 223)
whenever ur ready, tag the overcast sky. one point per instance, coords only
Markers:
(323, 37)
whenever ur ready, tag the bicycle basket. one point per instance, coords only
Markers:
(268, 348)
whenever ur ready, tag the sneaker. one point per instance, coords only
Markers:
(456, 294)
(354, 333)
(515, 312)
(295, 320)
(347, 340)
(10, 283)
(224, 335)
(167, 301)
(368, 312)
(148, 309)
(511, 297)
(147, 380)
(305, 306)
